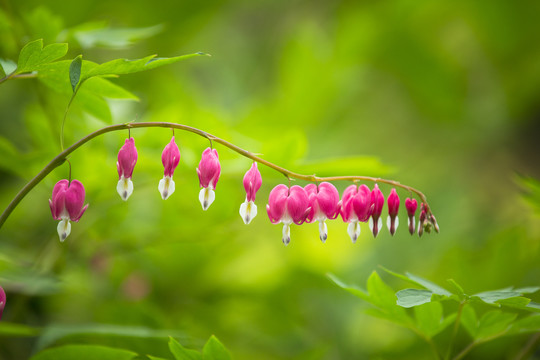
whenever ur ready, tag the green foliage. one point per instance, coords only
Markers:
(75, 72)
(430, 319)
(84, 352)
(33, 55)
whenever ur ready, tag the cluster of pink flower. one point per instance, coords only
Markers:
(285, 205)
(358, 204)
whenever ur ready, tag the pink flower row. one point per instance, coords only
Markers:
(285, 205)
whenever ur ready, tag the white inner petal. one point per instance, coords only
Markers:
(354, 230)
(166, 187)
(323, 231)
(124, 188)
(206, 197)
(64, 229)
(286, 234)
(248, 210)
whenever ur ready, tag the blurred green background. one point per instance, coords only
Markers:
(442, 96)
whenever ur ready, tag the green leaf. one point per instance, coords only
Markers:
(429, 317)
(84, 352)
(125, 66)
(493, 324)
(94, 34)
(436, 289)
(18, 330)
(458, 290)
(380, 293)
(518, 302)
(214, 350)
(75, 71)
(413, 297)
(181, 353)
(2, 72)
(356, 291)
(33, 55)
(491, 297)
(528, 289)
(469, 320)
(528, 324)
(7, 66)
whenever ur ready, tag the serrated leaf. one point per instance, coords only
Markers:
(125, 66)
(408, 298)
(181, 353)
(75, 71)
(33, 55)
(214, 350)
(84, 352)
(493, 323)
(469, 320)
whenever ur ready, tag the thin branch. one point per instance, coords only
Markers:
(60, 158)
(465, 351)
(13, 75)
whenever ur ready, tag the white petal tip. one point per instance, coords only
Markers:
(323, 231)
(64, 229)
(354, 230)
(206, 197)
(166, 187)
(248, 210)
(124, 188)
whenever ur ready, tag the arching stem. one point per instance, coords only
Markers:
(60, 158)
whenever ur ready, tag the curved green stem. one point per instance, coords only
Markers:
(60, 158)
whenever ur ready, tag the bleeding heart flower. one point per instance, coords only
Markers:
(170, 157)
(127, 158)
(209, 170)
(324, 204)
(411, 205)
(67, 205)
(2, 301)
(287, 206)
(392, 221)
(377, 200)
(252, 183)
(356, 206)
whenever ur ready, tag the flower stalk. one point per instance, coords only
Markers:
(62, 156)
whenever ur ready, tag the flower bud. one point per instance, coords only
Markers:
(252, 183)
(170, 157)
(377, 201)
(393, 206)
(127, 158)
(411, 205)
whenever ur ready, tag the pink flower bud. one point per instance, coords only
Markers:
(287, 206)
(393, 206)
(2, 301)
(324, 204)
(377, 200)
(170, 157)
(127, 158)
(67, 205)
(411, 205)
(252, 183)
(356, 206)
(209, 170)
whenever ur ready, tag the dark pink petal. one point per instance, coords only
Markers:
(411, 205)
(2, 301)
(252, 182)
(393, 203)
(311, 191)
(362, 205)
(76, 219)
(377, 199)
(75, 199)
(347, 210)
(127, 158)
(209, 168)
(277, 201)
(170, 157)
(298, 204)
(328, 198)
(57, 203)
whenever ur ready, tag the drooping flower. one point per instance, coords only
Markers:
(392, 221)
(67, 205)
(356, 206)
(2, 301)
(287, 206)
(170, 157)
(423, 223)
(252, 184)
(411, 205)
(209, 170)
(324, 204)
(127, 158)
(377, 200)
